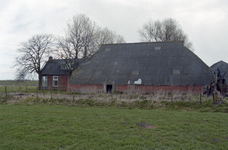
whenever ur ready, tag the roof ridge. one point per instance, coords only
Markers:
(145, 43)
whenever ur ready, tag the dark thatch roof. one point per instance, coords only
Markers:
(223, 66)
(156, 63)
(53, 67)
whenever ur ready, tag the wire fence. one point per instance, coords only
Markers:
(29, 88)
(18, 88)
(59, 92)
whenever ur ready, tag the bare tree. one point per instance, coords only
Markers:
(166, 30)
(107, 36)
(82, 40)
(33, 54)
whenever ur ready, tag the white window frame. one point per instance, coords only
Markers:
(55, 79)
(44, 81)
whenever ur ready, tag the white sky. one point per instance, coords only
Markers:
(204, 21)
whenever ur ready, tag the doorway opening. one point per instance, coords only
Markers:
(109, 88)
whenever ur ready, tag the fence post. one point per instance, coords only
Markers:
(6, 90)
(171, 95)
(26, 89)
(37, 92)
(20, 92)
(144, 93)
(200, 96)
(51, 93)
(79, 91)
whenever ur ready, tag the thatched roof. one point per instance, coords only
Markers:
(223, 66)
(155, 63)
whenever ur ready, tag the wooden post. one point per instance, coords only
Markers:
(37, 92)
(6, 90)
(20, 92)
(171, 95)
(26, 88)
(200, 96)
(214, 96)
(79, 91)
(51, 93)
(144, 95)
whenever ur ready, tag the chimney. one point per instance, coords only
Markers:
(50, 58)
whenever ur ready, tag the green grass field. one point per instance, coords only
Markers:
(18, 88)
(14, 82)
(14, 86)
(64, 127)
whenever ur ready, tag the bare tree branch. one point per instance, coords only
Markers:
(33, 53)
(83, 38)
(166, 30)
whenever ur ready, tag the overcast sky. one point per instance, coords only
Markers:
(204, 21)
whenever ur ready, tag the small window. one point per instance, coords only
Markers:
(176, 71)
(44, 81)
(157, 48)
(98, 73)
(107, 49)
(135, 72)
(55, 80)
(65, 66)
(68, 67)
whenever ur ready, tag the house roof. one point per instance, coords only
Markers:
(155, 63)
(53, 67)
(223, 66)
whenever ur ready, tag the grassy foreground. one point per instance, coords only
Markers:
(64, 127)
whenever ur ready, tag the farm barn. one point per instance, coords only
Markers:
(55, 74)
(154, 66)
(221, 70)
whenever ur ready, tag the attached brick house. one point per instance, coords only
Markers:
(55, 74)
(153, 66)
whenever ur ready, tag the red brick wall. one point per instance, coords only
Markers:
(62, 82)
(85, 88)
(135, 88)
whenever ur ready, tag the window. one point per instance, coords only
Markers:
(135, 72)
(55, 80)
(176, 71)
(157, 48)
(107, 49)
(44, 81)
(65, 66)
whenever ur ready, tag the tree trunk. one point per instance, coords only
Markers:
(40, 81)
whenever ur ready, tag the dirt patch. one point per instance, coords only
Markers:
(215, 140)
(145, 125)
(125, 123)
